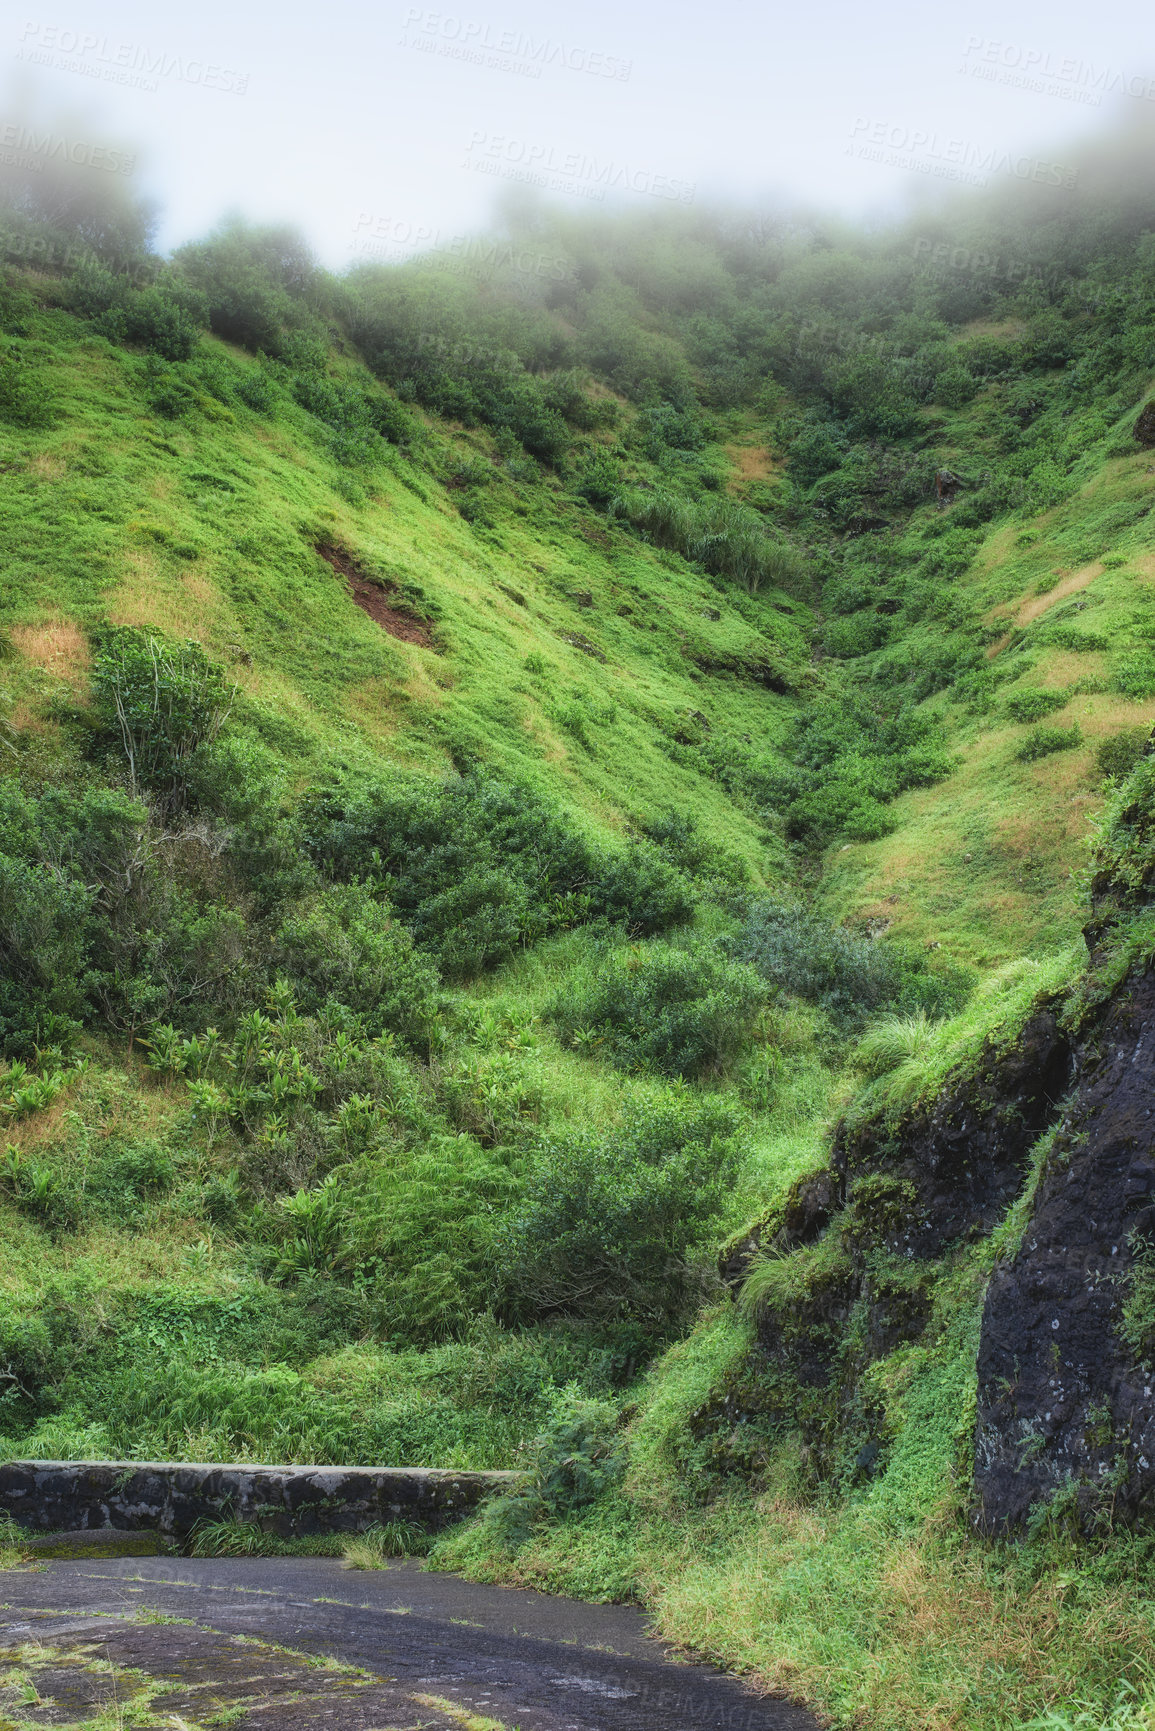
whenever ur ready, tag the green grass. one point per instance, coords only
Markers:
(323, 1284)
(102, 498)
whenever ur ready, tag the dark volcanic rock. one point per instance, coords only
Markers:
(864, 522)
(1145, 425)
(810, 1205)
(963, 1160)
(1060, 1398)
(862, 1242)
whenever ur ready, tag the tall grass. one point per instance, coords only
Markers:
(727, 539)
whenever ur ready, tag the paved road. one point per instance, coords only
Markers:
(302, 1644)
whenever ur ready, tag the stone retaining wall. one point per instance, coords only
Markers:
(170, 1497)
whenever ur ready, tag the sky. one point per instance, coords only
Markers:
(388, 128)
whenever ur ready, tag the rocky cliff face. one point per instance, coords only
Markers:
(1066, 1392)
(861, 1245)
(1063, 1405)
(1066, 1406)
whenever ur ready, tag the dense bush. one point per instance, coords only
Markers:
(164, 319)
(183, 897)
(1135, 676)
(683, 1012)
(158, 702)
(1033, 705)
(599, 480)
(679, 836)
(852, 760)
(613, 1226)
(346, 947)
(43, 949)
(846, 973)
(1043, 741)
(1120, 752)
(260, 285)
(135, 925)
(478, 867)
(358, 420)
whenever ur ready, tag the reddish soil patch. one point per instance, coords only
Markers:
(378, 601)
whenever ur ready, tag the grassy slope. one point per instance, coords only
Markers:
(981, 864)
(100, 514)
(102, 511)
(990, 862)
(206, 526)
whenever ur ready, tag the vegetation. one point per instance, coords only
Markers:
(488, 775)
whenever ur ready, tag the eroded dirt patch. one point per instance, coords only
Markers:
(1037, 605)
(377, 600)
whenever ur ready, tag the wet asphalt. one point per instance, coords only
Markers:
(431, 1649)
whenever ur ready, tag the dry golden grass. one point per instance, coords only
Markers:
(48, 466)
(58, 647)
(992, 328)
(752, 462)
(186, 607)
(381, 708)
(1103, 715)
(1036, 605)
(1059, 668)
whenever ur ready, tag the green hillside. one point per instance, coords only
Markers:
(494, 768)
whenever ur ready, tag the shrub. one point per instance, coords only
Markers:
(846, 974)
(815, 451)
(1118, 754)
(838, 807)
(125, 1175)
(676, 833)
(359, 421)
(165, 318)
(954, 387)
(92, 289)
(256, 389)
(344, 945)
(683, 1012)
(853, 761)
(599, 480)
(43, 953)
(419, 1230)
(1033, 705)
(578, 1457)
(1044, 741)
(1070, 637)
(479, 866)
(611, 1226)
(254, 281)
(168, 391)
(1136, 677)
(159, 702)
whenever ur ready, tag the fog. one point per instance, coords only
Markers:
(381, 130)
